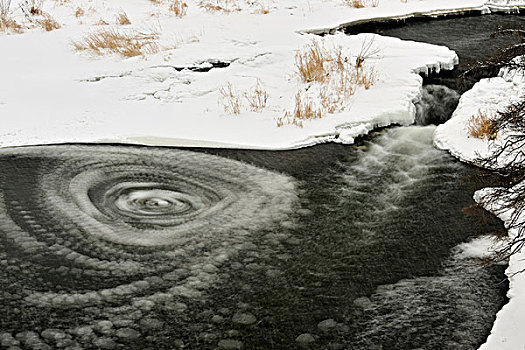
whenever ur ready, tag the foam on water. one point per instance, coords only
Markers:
(111, 234)
(446, 311)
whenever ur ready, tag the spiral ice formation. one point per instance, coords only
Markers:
(111, 233)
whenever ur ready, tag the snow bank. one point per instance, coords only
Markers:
(507, 331)
(491, 95)
(488, 96)
(51, 94)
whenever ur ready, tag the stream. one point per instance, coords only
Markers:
(327, 247)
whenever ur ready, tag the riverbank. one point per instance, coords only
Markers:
(491, 95)
(54, 94)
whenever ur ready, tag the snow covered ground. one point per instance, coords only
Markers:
(491, 95)
(52, 94)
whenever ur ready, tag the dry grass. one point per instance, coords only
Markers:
(79, 12)
(367, 50)
(257, 97)
(225, 6)
(47, 22)
(310, 63)
(231, 99)
(101, 22)
(361, 3)
(5, 8)
(262, 10)
(481, 125)
(123, 19)
(31, 7)
(10, 25)
(178, 8)
(365, 78)
(331, 79)
(305, 109)
(355, 3)
(7, 24)
(112, 41)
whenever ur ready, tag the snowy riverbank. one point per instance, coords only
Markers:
(52, 94)
(491, 95)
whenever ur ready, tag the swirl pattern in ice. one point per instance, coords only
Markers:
(112, 234)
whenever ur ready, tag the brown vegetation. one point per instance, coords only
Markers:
(219, 5)
(304, 109)
(361, 3)
(481, 125)
(123, 19)
(7, 24)
(47, 22)
(231, 99)
(124, 43)
(178, 7)
(79, 12)
(257, 97)
(332, 76)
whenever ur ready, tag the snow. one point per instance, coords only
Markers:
(52, 94)
(488, 96)
(491, 95)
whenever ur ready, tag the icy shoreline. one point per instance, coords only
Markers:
(65, 97)
(491, 95)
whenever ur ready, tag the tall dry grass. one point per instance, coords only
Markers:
(224, 6)
(231, 99)
(8, 24)
(122, 18)
(332, 77)
(481, 125)
(47, 22)
(257, 97)
(178, 8)
(123, 43)
(361, 3)
(234, 101)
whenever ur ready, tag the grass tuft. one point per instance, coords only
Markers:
(361, 3)
(355, 3)
(47, 22)
(257, 97)
(225, 6)
(123, 19)
(481, 125)
(79, 12)
(7, 24)
(112, 41)
(101, 22)
(310, 63)
(330, 79)
(178, 7)
(231, 99)
(31, 7)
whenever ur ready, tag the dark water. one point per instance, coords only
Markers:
(146, 248)
(328, 247)
(469, 36)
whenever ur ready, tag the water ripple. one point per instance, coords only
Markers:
(122, 231)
